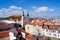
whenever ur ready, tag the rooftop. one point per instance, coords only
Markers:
(50, 25)
(4, 34)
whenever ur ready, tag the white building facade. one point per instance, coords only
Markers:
(38, 30)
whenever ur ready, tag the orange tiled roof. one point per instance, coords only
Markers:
(35, 22)
(4, 34)
(40, 23)
(29, 35)
(50, 25)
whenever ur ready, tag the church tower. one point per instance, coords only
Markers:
(27, 18)
(23, 20)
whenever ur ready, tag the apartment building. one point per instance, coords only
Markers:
(37, 27)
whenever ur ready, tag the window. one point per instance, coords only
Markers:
(54, 34)
(50, 34)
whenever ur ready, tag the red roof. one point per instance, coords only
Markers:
(4, 34)
(50, 25)
(40, 23)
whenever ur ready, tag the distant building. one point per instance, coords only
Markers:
(37, 27)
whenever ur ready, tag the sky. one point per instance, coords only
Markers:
(36, 8)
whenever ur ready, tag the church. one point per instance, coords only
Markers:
(23, 20)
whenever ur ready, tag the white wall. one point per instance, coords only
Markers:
(11, 36)
(34, 30)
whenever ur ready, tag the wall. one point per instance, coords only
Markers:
(35, 30)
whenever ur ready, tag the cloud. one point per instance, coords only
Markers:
(5, 12)
(43, 9)
(15, 7)
(34, 7)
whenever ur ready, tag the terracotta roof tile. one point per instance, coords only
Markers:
(5, 34)
(29, 35)
(50, 25)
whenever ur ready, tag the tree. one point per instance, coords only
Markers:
(15, 17)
